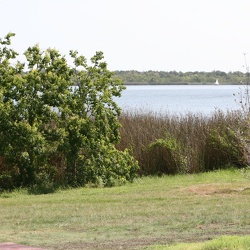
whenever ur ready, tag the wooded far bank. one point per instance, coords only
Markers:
(173, 77)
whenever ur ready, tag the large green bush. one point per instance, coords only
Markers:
(52, 130)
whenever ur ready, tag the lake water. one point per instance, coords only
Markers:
(180, 99)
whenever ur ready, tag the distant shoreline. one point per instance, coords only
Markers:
(178, 83)
(179, 78)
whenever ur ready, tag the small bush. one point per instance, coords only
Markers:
(43, 185)
(6, 182)
(165, 157)
(224, 147)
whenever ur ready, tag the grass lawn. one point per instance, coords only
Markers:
(148, 213)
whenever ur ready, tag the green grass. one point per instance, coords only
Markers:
(221, 243)
(151, 211)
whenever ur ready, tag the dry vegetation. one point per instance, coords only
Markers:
(186, 144)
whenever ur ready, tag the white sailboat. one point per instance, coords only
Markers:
(216, 82)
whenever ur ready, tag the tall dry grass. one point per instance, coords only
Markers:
(189, 143)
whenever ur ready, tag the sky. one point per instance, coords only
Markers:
(142, 35)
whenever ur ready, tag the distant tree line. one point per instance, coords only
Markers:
(174, 77)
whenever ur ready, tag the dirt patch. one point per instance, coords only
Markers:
(12, 246)
(112, 245)
(214, 188)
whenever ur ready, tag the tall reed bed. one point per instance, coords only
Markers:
(192, 143)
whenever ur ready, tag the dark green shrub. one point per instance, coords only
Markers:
(43, 185)
(6, 182)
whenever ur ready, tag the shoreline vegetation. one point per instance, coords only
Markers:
(133, 77)
(191, 143)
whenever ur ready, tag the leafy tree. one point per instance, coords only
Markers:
(53, 131)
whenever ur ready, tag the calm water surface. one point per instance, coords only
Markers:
(181, 99)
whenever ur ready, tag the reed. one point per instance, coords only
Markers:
(191, 143)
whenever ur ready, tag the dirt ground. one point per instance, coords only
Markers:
(12, 246)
